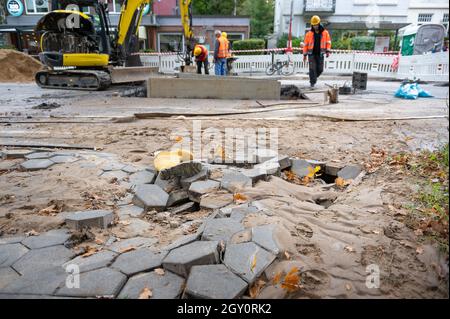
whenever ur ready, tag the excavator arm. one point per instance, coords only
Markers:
(186, 22)
(127, 30)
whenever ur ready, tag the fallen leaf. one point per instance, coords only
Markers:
(31, 233)
(90, 251)
(178, 139)
(255, 288)
(253, 264)
(291, 281)
(349, 249)
(419, 250)
(277, 278)
(341, 183)
(99, 241)
(418, 232)
(146, 293)
(287, 255)
(348, 287)
(127, 249)
(159, 271)
(238, 197)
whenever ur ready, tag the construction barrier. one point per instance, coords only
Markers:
(428, 67)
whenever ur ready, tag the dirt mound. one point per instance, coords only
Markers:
(17, 66)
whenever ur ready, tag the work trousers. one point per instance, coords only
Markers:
(205, 65)
(220, 67)
(315, 67)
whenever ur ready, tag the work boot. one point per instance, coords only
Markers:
(311, 86)
(184, 169)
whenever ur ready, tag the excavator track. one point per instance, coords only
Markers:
(87, 80)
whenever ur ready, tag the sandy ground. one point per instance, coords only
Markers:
(333, 245)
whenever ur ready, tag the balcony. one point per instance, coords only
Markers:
(319, 6)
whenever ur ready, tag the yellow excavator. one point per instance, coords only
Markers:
(80, 49)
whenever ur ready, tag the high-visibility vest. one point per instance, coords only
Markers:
(223, 52)
(227, 42)
(204, 55)
(325, 42)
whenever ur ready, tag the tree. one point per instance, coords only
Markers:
(214, 7)
(2, 11)
(261, 14)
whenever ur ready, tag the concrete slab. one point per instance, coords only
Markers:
(216, 200)
(221, 229)
(36, 164)
(235, 182)
(135, 242)
(214, 88)
(7, 276)
(199, 188)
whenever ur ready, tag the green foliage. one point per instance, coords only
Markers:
(282, 41)
(250, 44)
(363, 43)
(10, 47)
(214, 7)
(341, 44)
(261, 14)
(2, 11)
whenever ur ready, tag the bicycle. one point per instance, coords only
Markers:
(281, 67)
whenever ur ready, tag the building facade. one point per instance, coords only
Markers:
(358, 14)
(160, 28)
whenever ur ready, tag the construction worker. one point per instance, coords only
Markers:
(228, 48)
(220, 54)
(201, 57)
(317, 44)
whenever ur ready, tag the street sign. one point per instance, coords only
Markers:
(15, 7)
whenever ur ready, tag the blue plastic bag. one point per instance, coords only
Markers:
(411, 91)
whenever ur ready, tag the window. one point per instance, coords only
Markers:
(36, 6)
(170, 42)
(445, 18)
(114, 6)
(425, 17)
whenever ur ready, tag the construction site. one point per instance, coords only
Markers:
(149, 181)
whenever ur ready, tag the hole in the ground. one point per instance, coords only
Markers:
(327, 178)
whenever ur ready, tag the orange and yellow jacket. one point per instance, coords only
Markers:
(325, 42)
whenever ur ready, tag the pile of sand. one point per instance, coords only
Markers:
(16, 66)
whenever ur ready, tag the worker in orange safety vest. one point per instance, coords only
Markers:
(220, 53)
(317, 44)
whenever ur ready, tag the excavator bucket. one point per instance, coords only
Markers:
(132, 74)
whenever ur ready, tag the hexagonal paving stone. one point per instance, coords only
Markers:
(214, 282)
(104, 282)
(265, 154)
(129, 169)
(7, 275)
(150, 196)
(221, 229)
(139, 260)
(135, 242)
(239, 213)
(10, 253)
(127, 211)
(11, 240)
(89, 218)
(350, 172)
(50, 238)
(12, 154)
(167, 185)
(43, 258)
(59, 159)
(40, 155)
(167, 286)
(98, 260)
(180, 260)
(38, 282)
(274, 238)
(216, 200)
(199, 188)
(248, 260)
(36, 164)
(113, 166)
(142, 177)
(187, 181)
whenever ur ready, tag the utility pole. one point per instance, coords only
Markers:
(235, 5)
(289, 44)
